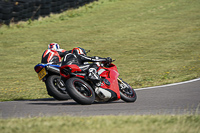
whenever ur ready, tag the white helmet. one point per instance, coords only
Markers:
(53, 46)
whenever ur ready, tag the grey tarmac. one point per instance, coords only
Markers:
(181, 98)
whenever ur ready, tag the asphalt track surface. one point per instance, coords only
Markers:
(173, 99)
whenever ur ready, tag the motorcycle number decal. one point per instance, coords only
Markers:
(42, 74)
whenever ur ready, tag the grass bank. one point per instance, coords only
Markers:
(155, 42)
(102, 124)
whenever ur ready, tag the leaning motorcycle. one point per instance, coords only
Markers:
(50, 74)
(85, 91)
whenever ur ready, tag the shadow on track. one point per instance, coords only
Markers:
(53, 102)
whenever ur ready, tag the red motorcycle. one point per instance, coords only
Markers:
(85, 90)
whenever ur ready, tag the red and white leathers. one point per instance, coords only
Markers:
(53, 56)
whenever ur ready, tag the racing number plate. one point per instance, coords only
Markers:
(42, 74)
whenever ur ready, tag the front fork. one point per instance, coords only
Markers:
(122, 85)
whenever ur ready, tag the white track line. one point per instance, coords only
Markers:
(168, 85)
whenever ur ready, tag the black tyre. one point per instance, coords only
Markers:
(80, 91)
(1, 15)
(7, 9)
(127, 93)
(18, 8)
(55, 89)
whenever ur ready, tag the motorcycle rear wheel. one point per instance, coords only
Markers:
(54, 89)
(127, 93)
(80, 91)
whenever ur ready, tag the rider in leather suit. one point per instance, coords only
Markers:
(53, 54)
(79, 57)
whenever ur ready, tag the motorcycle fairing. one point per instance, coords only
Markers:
(70, 69)
(111, 75)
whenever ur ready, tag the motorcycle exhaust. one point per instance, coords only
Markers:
(53, 69)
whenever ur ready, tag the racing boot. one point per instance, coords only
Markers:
(94, 77)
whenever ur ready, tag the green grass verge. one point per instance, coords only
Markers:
(155, 42)
(103, 124)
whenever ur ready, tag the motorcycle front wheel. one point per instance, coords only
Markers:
(55, 89)
(80, 91)
(127, 93)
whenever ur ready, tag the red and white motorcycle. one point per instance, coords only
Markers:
(85, 91)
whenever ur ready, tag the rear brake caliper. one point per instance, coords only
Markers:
(61, 84)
